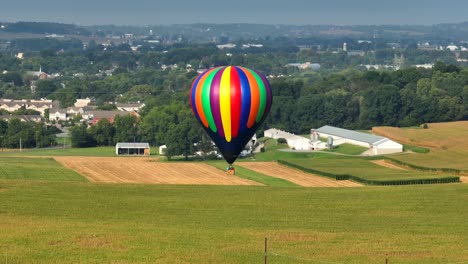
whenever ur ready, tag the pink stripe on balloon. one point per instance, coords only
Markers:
(215, 103)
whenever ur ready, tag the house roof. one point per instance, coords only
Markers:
(21, 117)
(129, 105)
(108, 114)
(132, 145)
(350, 134)
(285, 135)
(36, 103)
(57, 110)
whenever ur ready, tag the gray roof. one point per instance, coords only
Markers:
(350, 134)
(132, 145)
(108, 114)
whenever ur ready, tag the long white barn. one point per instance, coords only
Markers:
(377, 145)
(294, 141)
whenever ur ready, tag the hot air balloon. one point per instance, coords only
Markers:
(230, 103)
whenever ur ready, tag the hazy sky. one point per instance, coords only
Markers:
(152, 12)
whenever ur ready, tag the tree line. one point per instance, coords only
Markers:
(16, 133)
(360, 100)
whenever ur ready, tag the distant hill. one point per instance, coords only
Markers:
(45, 28)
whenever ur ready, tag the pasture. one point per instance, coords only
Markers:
(276, 170)
(35, 169)
(448, 144)
(72, 222)
(142, 210)
(89, 152)
(363, 168)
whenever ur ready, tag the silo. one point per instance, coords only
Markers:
(330, 142)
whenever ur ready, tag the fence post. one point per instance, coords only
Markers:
(266, 248)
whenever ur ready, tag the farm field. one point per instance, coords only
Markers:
(363, 168)
(298, 177)
(448, 144)
(94, 152)
(141, 210)
(73, 222)
(148, 170)
(36, 169)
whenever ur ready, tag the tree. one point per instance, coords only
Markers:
(19, 134)
(45, 88)
(126, 128)
(103, 132)
(181, 136)
(80, 137)
(205, 145)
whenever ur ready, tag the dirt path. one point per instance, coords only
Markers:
(296, 176)
(390, 165)
(464, 179)
(147, 170)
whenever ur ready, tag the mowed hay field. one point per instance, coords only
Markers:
(448, 144)
(75, 222)
(149, 171)
(300, 178)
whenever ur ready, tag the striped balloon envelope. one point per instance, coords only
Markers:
(230, 102)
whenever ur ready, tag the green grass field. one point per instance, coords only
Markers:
(348, 149)
(68, 222)
(96, 152)
(36, 169)
(254, 176)
(49, 214)
(362, 168)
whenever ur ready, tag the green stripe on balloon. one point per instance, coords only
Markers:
(206, 101)
(263, 95)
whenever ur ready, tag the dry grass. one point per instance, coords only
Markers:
(387, 164)
(448, 143)
(274, 169)
(147, 170)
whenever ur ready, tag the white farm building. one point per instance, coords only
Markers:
(294, 141)
(124, 148)
(377, 145)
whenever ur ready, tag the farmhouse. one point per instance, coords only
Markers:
(377, 145)
(132, 149)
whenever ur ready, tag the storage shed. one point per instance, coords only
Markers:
(123, 148)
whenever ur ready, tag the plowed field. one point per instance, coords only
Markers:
(296, 176)
(144, 170)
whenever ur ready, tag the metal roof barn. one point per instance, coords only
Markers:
(125, 148)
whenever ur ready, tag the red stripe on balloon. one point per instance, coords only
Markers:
(236, 102)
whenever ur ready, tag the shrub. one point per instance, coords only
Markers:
(281, 140)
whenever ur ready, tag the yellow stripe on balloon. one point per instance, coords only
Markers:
(225, 102)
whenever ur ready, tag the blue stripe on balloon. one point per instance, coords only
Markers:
(246, 99)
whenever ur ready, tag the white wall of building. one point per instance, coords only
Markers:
(387, 147)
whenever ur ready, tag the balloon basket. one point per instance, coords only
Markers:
(231, 170)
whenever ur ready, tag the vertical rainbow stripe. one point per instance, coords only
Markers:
(230, 100)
